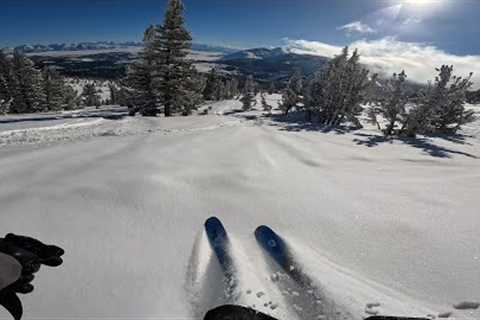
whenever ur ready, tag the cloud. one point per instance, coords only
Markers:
(357, 27)
(389, 55)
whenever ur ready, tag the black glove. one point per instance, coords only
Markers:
(31, 254)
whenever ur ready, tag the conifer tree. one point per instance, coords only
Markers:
(5, 77)
(90, 95)
(140, 86)
(71, 99)
(211, 85)
(292, 95)
(338, 92)
(173, 70)
(27, 90)
(248, 93)
(113, 94)
(390, 103)
(54, 89)
(271, 88)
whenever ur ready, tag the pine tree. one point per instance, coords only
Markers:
(71, 99)
(248, 93)
(338, 92)
(140, 87)
(54, 88)
(266, 107)
(234, 88)
(441, 107)
(292, 95)
(5, 77)
(195, 85)
(211, 85)
(27, 90)
(390, 103)
(90, 95)
(173, 69)
(271, 88)
(113, 94)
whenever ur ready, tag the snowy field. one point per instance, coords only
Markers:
(387, 227)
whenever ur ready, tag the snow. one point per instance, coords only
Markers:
(379, 226)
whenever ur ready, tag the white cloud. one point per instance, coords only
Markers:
(357, 27)
(389, 55)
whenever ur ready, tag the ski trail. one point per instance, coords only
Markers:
(256, 288)
(206, 285)
(246, 282)
(305, 296)
(352, 294)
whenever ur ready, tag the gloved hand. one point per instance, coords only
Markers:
(31, 254)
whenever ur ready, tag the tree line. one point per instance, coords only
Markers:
(339, 93)
(25, 89)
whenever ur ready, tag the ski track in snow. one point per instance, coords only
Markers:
(387, 229)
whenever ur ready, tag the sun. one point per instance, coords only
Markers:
(423, 6)
(423, 2)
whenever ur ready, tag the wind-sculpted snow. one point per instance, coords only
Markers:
(378, 226)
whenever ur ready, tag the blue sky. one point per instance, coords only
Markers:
(392, 35)
(451, 25)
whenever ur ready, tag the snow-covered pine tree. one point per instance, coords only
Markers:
(113, 93)
(5, 77)
(248, 93)
(390, 103)
(234, 88)
(447, 100)
(90, 95)
(272, 89)
(292, 95)
(440, 108)
(71, 99)
(173, 69)
(54, 89)
(195, 85)
(26, 86)
(342, 89)
(211, 85)
(139, 87)
(266, 107)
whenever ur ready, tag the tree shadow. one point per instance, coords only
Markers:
(297, 122)
(424, 143)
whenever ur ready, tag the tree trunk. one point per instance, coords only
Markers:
(168, 110)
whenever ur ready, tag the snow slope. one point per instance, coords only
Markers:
(394, 223)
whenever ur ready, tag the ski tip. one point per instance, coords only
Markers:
(264, 231)
(212, 221)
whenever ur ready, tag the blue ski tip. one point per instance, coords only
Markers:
(273, 244)
(215, 231)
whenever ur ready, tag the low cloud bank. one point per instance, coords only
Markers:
(389, 55)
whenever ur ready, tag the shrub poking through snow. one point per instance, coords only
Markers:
(337, 93)
(441, 107)
(390, 104)
(248, 93)
(292, 95)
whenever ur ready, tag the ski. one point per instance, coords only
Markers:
(218, 239)
(274, 245)
(278, 249)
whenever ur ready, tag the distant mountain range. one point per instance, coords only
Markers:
(109, 59)
(271, 64)
(105, 45)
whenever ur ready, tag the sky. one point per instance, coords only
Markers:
(451, 25)
(415, 35)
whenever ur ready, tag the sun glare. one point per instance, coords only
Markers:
(423, 2)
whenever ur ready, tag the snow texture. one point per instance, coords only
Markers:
(379, 227)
